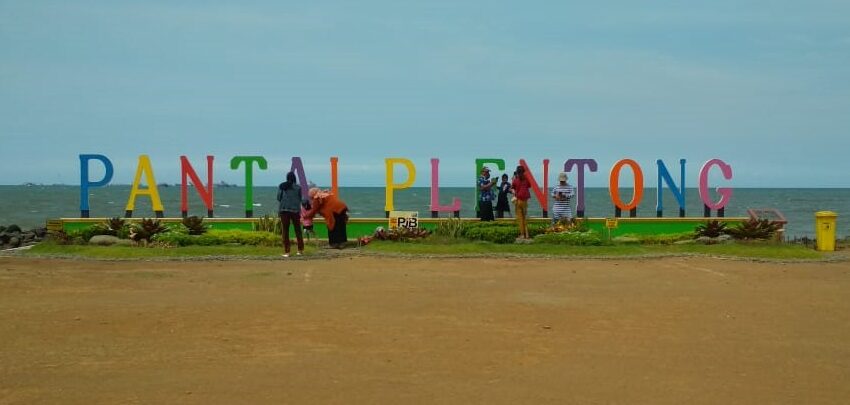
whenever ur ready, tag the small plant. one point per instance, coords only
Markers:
(194, 225)
(115, 225)
(710, 229)
(60, 237)
(268, 223)
(401, 234)
(576, 225)
(146, 229)
(755, 229)
(663, 239)
(450, 228)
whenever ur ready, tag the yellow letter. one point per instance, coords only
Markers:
(411, 177)
(151, 191)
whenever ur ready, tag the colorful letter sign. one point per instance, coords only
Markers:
(580, 164)
(541, 194)
(539, 185)
(249, 178)
(614, 185)
(85, 183)
(391, 186)
(435, 191)
(725, 193)
(479, 164)
(206, 193)
(678, 192)
(144, 167)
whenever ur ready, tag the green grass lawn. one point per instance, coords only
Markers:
(133, 252)
(756, 251)
(440, 247)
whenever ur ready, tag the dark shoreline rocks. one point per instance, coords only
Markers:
(13, 236)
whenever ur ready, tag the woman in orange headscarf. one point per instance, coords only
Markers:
(335, 213)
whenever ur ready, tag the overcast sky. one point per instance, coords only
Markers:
(763, 85)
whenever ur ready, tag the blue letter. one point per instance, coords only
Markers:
(85, 183)
(679, 192)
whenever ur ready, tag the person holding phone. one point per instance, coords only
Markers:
(563, 194)
(289, 210)
(485, 195)
(522, 194)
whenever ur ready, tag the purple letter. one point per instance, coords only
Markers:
(580, 163)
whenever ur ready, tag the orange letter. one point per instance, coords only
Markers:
(614, 185)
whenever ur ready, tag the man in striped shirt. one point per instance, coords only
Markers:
(563, 194)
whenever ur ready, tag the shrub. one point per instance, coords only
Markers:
(401, 234)
(146, 229)
(257, 238)
(662, 239)
(194, 225)
(216, 237)
(268, 223)
(83, 235)
(755, 229)
(577, 225)
(450, 228)
(60, 237)
(173, 239)
(710, 229)
(491, 232)
(589, 238)
(498, 232)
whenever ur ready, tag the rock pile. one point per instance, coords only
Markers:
(13, 236)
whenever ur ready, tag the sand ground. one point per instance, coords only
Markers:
(381, 330)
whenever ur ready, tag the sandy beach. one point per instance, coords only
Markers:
(388, 330)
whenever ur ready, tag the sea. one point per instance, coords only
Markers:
(32, 205)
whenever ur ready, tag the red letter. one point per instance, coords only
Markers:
(542, 195)
(206, 195)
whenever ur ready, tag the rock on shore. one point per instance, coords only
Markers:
(13, 236)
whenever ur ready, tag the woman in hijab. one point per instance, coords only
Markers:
(335, 213)
(289, 209)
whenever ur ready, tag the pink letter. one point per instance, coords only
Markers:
(435, 191)
(725, 193)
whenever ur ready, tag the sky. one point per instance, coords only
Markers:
(763, 85)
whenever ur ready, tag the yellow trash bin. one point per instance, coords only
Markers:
(825, 230)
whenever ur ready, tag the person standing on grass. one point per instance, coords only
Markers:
(289, 210)
(485, 195)
(502, 205)
(522, 194)
(563, 194)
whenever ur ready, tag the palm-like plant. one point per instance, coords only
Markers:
(710, 229)
(195, 225)
(755, 229)
(146, 229)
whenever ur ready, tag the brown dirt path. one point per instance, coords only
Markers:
(378, 330)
